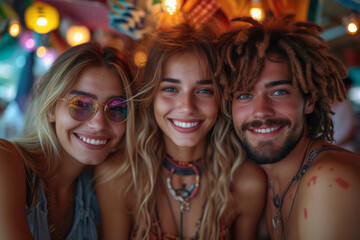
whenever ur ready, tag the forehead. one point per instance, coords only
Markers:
(273, 69)
(98, 79)
(187, 63)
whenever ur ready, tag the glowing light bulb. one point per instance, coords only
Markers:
(77, 35)
(41, 51)
(171, 6)
(256, 13)
(352, 28)
(14, 28)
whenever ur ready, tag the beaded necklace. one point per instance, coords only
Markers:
(68, 218)
(182, 194)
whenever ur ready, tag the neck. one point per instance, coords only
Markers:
(66, 175)
(288, 167)
(185, 154)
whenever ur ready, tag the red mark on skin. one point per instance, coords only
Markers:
(305, 213)
(330, 185)
(319, 167)
(312, 179)
(342, 183)
(291, 196)
(331, 169)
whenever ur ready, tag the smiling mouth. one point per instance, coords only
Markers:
(93, 141)
(266, 130)
(185, 124)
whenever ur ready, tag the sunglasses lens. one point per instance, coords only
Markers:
(116, 110)
(82, 108)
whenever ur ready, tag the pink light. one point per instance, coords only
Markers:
(27, 41)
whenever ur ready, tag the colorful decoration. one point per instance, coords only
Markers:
(128, 19)
(41, 17)
(201, 10)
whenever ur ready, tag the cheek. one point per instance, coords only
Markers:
(119, 130)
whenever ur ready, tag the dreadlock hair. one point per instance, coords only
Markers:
(314, 71)
(223, 154)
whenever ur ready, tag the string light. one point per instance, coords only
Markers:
(14, 28)
(256, 10)
(171, 6)
(41, 51)
(352, 27)
(77, 35)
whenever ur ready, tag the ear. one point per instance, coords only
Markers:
(309, 105)
(51, 115)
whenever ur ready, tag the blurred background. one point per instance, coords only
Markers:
(34, 33)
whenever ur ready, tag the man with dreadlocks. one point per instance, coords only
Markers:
(281, 80)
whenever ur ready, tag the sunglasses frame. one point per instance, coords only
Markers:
(96, 107)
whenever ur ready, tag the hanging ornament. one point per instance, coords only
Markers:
(41, 17)
(128, 19)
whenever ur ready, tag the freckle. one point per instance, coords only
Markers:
(305, 213)
(330, 185)
(342, 183)
(312, 179)
(331, 169)
(319, 167)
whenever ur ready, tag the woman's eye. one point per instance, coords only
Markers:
(206, 91)
(168, 89)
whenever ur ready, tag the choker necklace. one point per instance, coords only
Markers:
(182, 168)
(182, 194)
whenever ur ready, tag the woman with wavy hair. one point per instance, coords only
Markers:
(190, 180)
(76, 118)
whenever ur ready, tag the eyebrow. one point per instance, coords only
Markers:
(201, 82)
(279, 82)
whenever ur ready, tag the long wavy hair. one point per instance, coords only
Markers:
(223, 154)
(39, 147)
(314, 71)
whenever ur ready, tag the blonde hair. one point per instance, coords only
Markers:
(314, 71)
(40, 148)
(224, 153)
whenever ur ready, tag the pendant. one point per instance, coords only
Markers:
(275, 222)
(184, 206)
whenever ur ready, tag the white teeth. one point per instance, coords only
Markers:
(185, 124)
(92, 141)
(266, 130)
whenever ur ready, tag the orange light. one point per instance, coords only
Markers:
(352, 27)
(256, 10)
(14, 28)
(77, 35)
(41, 17)
(171, 6)
(41, 51)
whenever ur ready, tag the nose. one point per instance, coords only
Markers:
(186, 102)
(99, 120)
(263, 107)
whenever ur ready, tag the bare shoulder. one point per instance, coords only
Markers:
(329, 193)
(12, 199)
(249, 179)
(11, 162)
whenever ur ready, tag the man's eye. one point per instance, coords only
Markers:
(280, 92)
(243, 96)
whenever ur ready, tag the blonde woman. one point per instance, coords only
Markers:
(189, 179)
(77, 117)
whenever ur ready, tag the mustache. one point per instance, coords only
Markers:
(267, 122)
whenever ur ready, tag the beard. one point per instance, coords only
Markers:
(266, 151)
